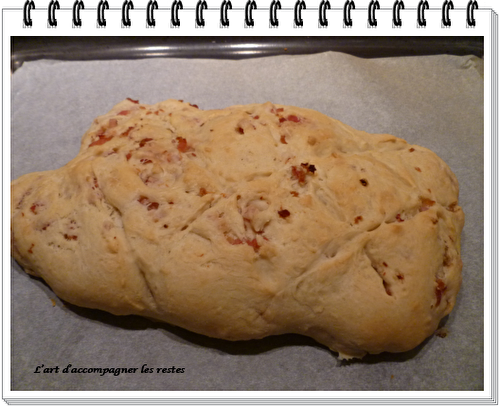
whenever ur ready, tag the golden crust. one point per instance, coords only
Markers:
(246, 222)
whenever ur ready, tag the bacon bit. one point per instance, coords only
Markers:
(126, 132)
(124, 112)
(30, 250)
(293, 118)
(294, 193)
(282, 119)
(299, 173)
(411, 150)
(398, 218)
(440, 289)
(418, 169)
(240, 130)
(196, 106)
(400, 276)
(426, 204)
(143, 142)
(143, 200)
(133, 101)
(253, 242)
(283, 140)
(452, 207)
(33, 208)
(102, 139)
(364, 182)
(442, 332)
(96, 184)
(385, 264)
(112, 123)
(311, 168)
(203, 192)
(358, 219)
(193, 154)
(146, 161)
(182, 145)
(128, 156)
(142, 108)
(148, 113)
(70, 237)
(234, 241)
(284, 213)
(165, 226)
(256, 117)
(153, 205)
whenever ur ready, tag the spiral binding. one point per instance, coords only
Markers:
(250, 7)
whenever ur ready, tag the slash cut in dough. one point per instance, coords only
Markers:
(248, 221)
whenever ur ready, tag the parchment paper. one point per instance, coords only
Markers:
(434, 101)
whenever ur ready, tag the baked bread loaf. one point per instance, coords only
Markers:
(248, 221)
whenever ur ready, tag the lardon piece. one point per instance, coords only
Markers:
(248, 221)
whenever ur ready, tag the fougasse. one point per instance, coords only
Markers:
(248, 221)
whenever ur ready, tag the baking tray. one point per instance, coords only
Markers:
(101, 48)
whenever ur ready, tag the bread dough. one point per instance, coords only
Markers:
(248, 221)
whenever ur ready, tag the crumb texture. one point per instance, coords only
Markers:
(248, 221)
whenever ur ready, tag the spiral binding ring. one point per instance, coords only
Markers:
(297, 13)
(226, 4)
(127, 5)
(396, 16)
(273, 13)
(471, 6)
(53, 6)
(349, 4)
(446, 13)
(200, 6)
(103, 5)
(374, 5)
(176, 6)
(323, 6)
(251, 5)
(423, 5)
(150, 20)
(77, 6)
(28, 6)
